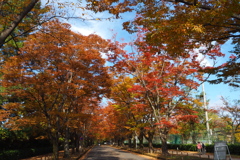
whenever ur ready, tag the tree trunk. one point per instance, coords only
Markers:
(140, 138)
(232, 135)
(149, 137)
(120, 141)
(129, 142)
(73, 145)
(150, 144)
(134, 142)
(66, 144)
(16, 20)
(77, 139)
(55, 148)
(194, 137)
(163, 138)
(185, 138)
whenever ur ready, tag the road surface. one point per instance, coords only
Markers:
(109, 153)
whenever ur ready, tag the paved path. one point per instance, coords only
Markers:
(196, 154)
(110, 153)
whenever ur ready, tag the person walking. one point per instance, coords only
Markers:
(199, 147)
(203, 148)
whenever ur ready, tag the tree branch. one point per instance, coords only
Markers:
(205, 7)
(16, 21)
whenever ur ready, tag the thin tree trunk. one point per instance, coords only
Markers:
(149, 137)
(194, 137)
(73, 145)
(232, 136)
(129, 142)
(140, 138)
(16, 20)
(150, 143)
(66, 143)
(77, 140)
(55, 148)
(134, 142)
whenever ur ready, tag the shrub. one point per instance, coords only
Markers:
(234, 149)
(24, 153)
(16, 144)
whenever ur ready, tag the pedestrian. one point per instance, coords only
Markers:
(199, 147)
(203, 148)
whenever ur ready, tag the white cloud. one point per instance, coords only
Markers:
(93, 27)
(83, 31)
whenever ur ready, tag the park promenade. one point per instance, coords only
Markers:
(106, 152)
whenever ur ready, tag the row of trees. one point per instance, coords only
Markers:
(155, 90)
(170, 30)
(54, 79)
(55, 83)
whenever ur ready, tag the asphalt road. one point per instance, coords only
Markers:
(109, 153)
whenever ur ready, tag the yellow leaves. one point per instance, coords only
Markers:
(198, 28)
(190, 26)
(237, 135)
(61, 5)
(198, 102)
(127, 127)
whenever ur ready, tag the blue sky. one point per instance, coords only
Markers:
(214, 92)
(106, 29)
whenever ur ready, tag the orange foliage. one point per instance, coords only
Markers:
(58, 77)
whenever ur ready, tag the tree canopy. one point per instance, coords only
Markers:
(182, 25)
(55, 72)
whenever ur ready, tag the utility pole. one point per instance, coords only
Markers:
(206, 114)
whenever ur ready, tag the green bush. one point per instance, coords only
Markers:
(210, 148)
(24, 153)
(16, 144)
(234, 149)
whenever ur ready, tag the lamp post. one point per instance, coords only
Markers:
(206, 114)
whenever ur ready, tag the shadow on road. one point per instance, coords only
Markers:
(110, 153)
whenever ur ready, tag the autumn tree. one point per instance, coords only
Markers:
(18, 18)
(180, 25)
(112, 126)
(90, 118)
(164, 81)
(123, 101)
(230, 114)
(192, 127)
(132, 107)
(198, 20)
(54, 72)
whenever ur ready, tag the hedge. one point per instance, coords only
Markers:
(233, 148)
(16, 144)
(24, 153)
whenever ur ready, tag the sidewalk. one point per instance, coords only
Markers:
(196, 154)
(157, 152)
(173, 153)
(74, 156)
